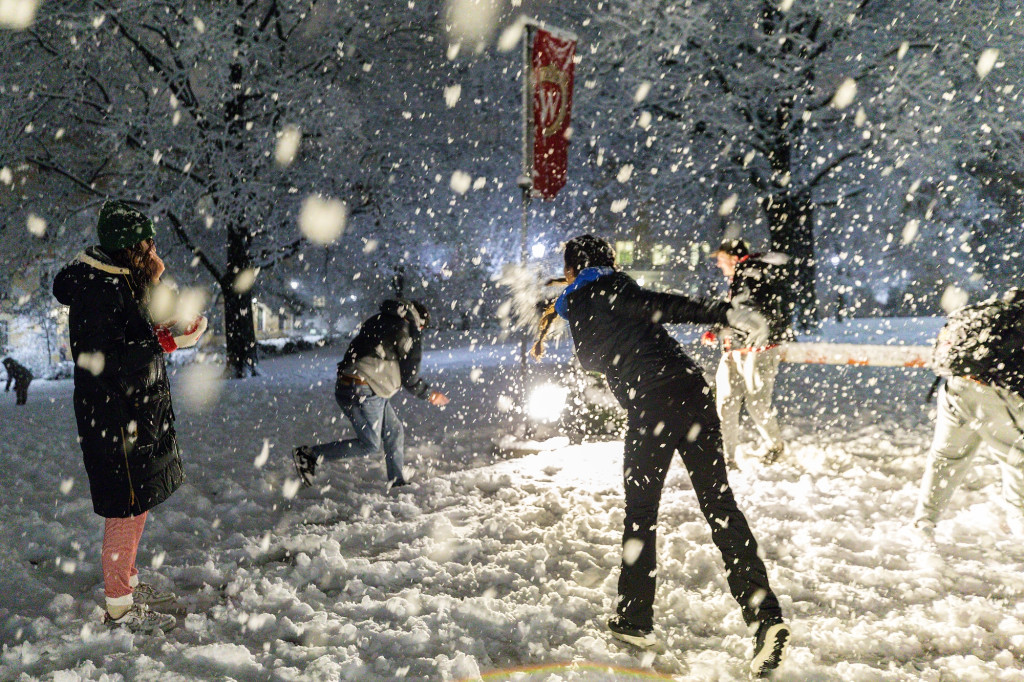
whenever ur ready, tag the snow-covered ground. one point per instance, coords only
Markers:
(488, 562)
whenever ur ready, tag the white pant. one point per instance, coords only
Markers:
(972, 414)
(748, 377)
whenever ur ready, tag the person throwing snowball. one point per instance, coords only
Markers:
(617, 329)
(383, 357)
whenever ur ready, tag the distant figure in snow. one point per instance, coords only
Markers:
(383, 357)
(617, 330)
(21, 376)
(747, 371)
(980, 351)
(123, 399)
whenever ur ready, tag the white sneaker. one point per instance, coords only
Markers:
(925, 528)
(770, 643)
(139, 618)
(144, 593)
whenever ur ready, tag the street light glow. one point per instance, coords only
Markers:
(546, 402)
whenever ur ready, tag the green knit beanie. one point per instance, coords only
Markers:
(120, 226)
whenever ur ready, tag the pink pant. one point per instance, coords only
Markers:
(120, 545)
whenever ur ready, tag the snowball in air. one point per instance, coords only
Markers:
(36, 225)
(631, 551)
(987, 61)
(729, 205)
(452, 93)
(261, 458)
(244, 280)
(287, 146)
(845, 94)
(642, 91)
(910, 231)
(322, 221)
(472, 21)
(290, 488)
(18, 14)
(953, 298)
(510, 37)
(460, 182)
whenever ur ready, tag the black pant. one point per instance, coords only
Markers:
(682, 417)
(20, 392)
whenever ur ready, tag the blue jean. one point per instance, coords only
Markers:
(377, 428)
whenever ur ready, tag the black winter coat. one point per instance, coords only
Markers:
(763, 284)
(1009, 371)
(122, 395)
(393, 343)
(16, 372)
(617, 330)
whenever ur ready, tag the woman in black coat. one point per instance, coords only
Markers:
(123, 399)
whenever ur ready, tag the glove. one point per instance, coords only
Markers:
(749, 326)
(188, 338)
(708, 338)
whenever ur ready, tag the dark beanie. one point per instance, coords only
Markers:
(120, 226)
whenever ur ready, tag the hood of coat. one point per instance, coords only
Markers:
(76, 275)
(402, 309)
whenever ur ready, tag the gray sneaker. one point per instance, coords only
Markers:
(145, 593)
(139, 618)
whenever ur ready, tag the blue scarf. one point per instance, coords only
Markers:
(586, 276)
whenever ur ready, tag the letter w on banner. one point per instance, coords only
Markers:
(547, 107)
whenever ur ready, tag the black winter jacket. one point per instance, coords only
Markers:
(122, 395)
(617, 329)
(1009, 372)
(16, 372)
(763, 284)
(387, 352)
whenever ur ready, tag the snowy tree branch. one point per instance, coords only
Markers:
(183, 237)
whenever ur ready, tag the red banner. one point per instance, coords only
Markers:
(551, 79)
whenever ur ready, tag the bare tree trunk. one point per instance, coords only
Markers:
(239, 327)
(791, 226)
(240, 334)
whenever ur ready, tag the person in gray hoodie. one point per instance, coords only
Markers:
(383, 357)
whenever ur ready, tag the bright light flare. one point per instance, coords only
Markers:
(546, 402)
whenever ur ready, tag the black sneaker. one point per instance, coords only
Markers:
(769, 646)
(623, 630)
(305, 464)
